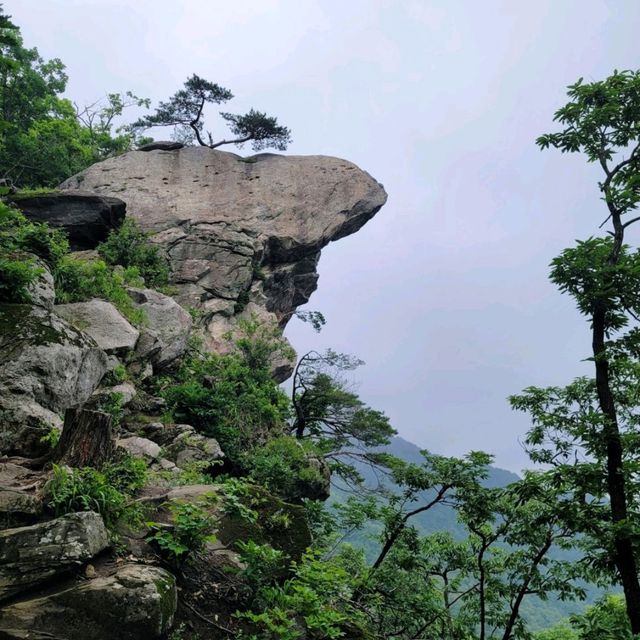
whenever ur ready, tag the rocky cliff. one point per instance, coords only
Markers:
(243, 235)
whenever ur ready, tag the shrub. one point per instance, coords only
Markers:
(117, 375)
(191, 530)
(107, 491)
(228, 399)
(16, 275)
(264, 565)
(18, 239)
(113, 404)
(282, 465)
(19, 234)
(313, 603)
(127, 475)
(129, 246)
(80, 280)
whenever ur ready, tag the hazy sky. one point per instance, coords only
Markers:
(444, 294)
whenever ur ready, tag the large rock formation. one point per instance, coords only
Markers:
(46, 366)
(135, 603)
(242, 234)
(243, 237)
(32, 555)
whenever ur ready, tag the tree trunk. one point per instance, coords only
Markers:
(623, 547)
(86, 440)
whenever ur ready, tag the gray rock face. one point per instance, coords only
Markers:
(166, 333)
(46, 366)
(32, 555)
(239, 230)
(136, 603)
(103, 322)
(41, 291)
(86, 217)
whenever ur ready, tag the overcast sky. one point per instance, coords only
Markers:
(445, 293)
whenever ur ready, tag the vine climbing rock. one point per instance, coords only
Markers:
(243, 235)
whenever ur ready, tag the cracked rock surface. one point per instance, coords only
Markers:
(238, 231)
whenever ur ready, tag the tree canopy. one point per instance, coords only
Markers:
(44, 138)
(185, 112)
(588, 430)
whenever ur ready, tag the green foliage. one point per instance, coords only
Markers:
(262, 564)
(559, 632)
(184, 111)
(17, 273)
(129, 246)
(282, 465)
(588, 431)
(588, 275)
(117, 375)
(232, 398)
(326, 412)
(80, 280)
(52, 437)
(19, 234)
(313, 603)
(20, 240)
(263, 130)
(43, 138)
(606, 620)
(127, 475)
(113, 405)
(240, 499)
(315, 318)
(602, 120)
(106, 491)
(191, 529)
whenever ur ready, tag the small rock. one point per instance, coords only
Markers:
(103, 322)
(140, 447)
(161, 145)
(167, 328)
(41, 290)
(126, 391)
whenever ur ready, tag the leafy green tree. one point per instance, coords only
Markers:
(473, 587)
(185, 111)
(589, 430)
(43, 138)
(606, 620)
(99, 119)
(326, 412)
